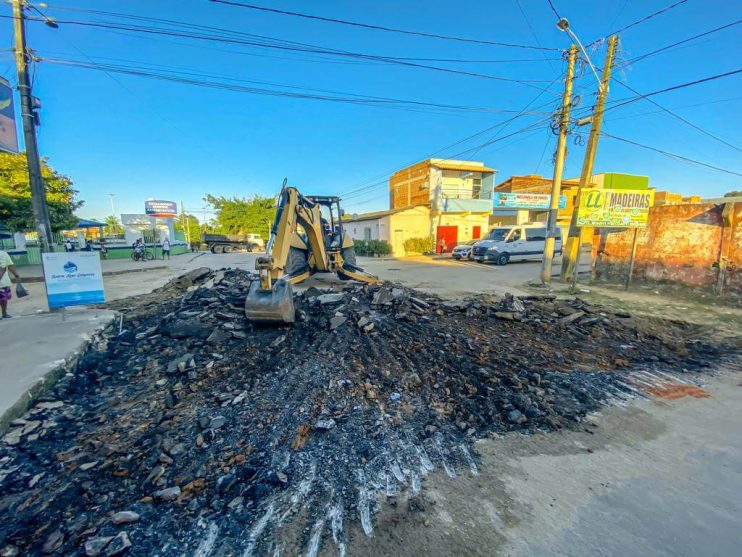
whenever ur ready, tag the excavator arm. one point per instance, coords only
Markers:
(270, 299)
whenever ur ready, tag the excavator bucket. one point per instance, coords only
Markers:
(270, 306)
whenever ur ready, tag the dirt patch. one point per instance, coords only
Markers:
(673, 391)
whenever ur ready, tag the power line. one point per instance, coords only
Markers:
(380, 27)
(639, 115)
(296, 47)
(683, 41)
(678, 117)
(302, 93)
(553, 9)
(672, 155)
(640, 20)
(238, 33)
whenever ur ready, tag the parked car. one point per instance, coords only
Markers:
(515, 243)
(479, 250)
(463, 251)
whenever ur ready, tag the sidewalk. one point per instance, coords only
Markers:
(32, 273)
(36, 350)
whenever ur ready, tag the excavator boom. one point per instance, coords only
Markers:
(292, 257)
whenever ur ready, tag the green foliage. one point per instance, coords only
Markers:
(419, 245)
(113, 226)
(16, 211)
(372, 248)
(238, 215)
(733, 193)
(188, 223)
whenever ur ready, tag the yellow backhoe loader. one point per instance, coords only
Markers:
(307, 237)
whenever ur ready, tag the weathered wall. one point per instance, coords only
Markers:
(681, 244)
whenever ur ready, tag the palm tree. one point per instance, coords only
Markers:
(113, 226)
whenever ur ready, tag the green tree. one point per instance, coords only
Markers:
(113, 226)
(733, 193)
(238, 215)
(16, 211)
(188, 223)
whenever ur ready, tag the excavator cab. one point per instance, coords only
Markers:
(307, 237)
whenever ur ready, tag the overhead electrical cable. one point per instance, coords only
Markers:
(638, 21)
(683, 41)
(381, 27)
(238, 33)
(196, 79)
(297, 47)
(671, 155)
(678, 117)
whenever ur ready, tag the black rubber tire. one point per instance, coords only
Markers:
(296, 263)
(227, 249)
(218, 249)
(502, 259)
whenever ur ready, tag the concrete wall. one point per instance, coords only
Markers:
(378, 228)
(682, 244)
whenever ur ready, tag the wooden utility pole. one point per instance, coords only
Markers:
(571, 251)
(38, 189)
(556, 184)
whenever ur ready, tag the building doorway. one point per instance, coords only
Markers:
(450, 235)
(476, 232)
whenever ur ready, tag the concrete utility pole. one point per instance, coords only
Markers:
(571, 251)
(38, 189)
(556, 184)
(113, 210)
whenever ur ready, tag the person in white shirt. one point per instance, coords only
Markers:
(166, 248)
(6, 269)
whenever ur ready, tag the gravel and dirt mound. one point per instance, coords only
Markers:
(192, 432)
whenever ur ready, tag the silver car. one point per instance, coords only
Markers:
(463, 251)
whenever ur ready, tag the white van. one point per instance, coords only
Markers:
(514, 243)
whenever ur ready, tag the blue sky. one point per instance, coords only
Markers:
(141, 138)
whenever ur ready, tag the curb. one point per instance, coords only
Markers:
(50, 378)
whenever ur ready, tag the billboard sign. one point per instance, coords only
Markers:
(73, 279)
(525, 201)
(160, 208)
(8, 132)
(615, 208)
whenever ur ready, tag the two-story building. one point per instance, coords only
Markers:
(450, 200)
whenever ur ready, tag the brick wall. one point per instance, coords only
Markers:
(682, 244)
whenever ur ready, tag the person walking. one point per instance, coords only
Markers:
(442, 246)
(68, 245)
(166, 249)
(103, 249)
(6, 269)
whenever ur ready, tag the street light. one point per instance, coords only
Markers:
(563, 25)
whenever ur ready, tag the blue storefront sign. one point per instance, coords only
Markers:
(8, 134)
(537, 201)
(73, 279)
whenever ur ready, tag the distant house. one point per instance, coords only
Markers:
(456, 193)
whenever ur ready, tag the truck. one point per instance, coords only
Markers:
(227, 243)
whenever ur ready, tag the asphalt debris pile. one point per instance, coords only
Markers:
(193, 432)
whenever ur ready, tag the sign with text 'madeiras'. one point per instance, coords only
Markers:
(73, 279)
(615, 208)
(160, 208)
(507, 200)
(8, 133)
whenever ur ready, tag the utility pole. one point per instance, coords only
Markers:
(28, 117)
(113, 211)
(571, 251)
(556, 184)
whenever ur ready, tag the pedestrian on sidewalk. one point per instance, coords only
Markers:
(6, 269)
(442, 245)
(68, 245)
(166, 249)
